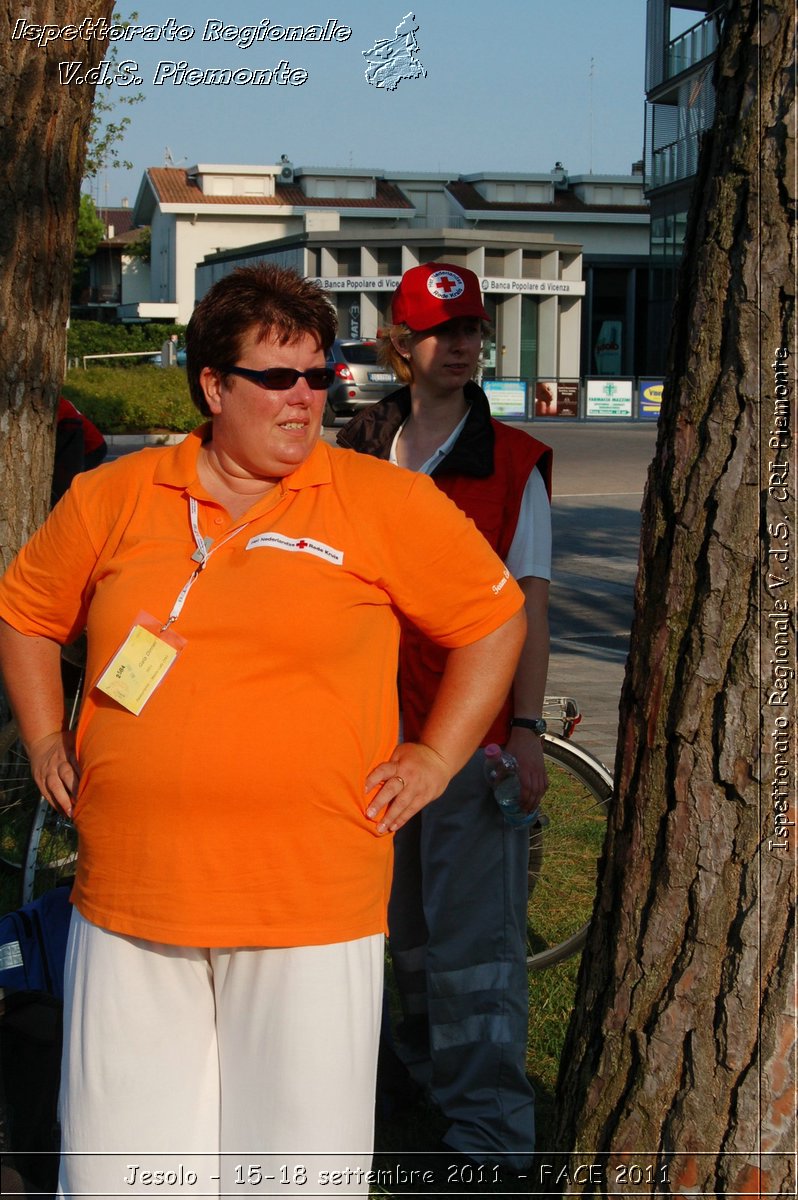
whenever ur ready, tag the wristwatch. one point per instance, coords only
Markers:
(536, 724)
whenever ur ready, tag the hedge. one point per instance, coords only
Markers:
(142, 399)
(96, 337)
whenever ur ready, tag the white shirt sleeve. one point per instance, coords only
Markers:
(530, 552)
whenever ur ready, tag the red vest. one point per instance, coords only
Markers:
(493, 502)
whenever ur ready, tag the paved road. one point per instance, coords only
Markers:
(599, 476)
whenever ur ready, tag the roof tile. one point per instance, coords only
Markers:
(173, 186)
(472, 200)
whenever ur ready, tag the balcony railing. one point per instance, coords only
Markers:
(694, 45)
(678, 160)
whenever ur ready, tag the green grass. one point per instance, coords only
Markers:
(551, 1000)
(564, 856)
(141, 399)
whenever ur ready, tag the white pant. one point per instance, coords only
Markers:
(231, 1071)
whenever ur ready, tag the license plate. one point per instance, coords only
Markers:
(380, 377)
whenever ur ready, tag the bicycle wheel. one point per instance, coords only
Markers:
(51, 854)
(38, 847)
(564, 850)
(18, 798)
(51, 851)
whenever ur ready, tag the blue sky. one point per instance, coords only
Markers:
(508, 88)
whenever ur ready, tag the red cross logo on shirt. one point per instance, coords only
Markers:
(445, 285)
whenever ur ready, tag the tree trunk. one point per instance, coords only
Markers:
(43, 133)
(678, 1074)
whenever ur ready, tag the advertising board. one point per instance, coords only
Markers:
(609, 398)
(507, 398)
(650, 399)
(555, 399)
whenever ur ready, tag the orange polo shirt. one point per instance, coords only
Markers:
(231, 811)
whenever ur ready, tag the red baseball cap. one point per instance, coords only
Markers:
(436, 292)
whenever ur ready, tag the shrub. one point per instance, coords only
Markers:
(143, 399)
(97, 337)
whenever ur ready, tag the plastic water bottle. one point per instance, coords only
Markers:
(501, 772)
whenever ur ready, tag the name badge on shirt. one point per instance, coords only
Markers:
(140, 664)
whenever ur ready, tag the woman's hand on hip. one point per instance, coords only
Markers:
(54, 767)
(415, 775)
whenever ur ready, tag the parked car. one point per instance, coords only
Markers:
(359, 378)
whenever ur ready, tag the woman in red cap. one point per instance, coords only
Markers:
(457, 916)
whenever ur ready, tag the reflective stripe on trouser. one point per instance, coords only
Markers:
(458, 941)
(196, 1062)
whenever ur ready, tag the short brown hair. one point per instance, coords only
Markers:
(273, 300)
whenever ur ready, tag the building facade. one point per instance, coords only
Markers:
(533, 287)
(563, 260)
(681, 45)
(117, 274)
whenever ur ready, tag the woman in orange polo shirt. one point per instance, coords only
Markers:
(236, 764)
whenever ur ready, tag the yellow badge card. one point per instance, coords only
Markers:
(137, 668)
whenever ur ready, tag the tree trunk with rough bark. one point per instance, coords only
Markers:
(43, 134)
(678, 1075)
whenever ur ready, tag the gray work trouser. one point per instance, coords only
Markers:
(457, 921)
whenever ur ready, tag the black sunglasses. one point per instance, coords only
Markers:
(280, 379)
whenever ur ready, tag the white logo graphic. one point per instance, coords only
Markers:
(390, 60)
(445, 285)
(297, 546)
(497, 587)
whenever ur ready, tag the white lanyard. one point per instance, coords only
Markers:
(201, 555)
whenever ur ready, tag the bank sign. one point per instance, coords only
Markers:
(491, 285)
(532, 287)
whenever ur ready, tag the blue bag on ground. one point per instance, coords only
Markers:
(33, 944)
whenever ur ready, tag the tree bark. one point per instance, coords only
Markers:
(680, 1057)
(43, 133)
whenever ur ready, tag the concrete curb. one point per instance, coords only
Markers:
(123, 441)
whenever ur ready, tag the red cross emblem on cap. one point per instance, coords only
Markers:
(445, 285)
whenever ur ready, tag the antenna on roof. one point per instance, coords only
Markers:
(168, 160)
(590, 75)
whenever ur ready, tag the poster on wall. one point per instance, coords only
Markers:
(607, 350)
(609, 398)
(554, 399)
(507, 398)
(650, 399)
